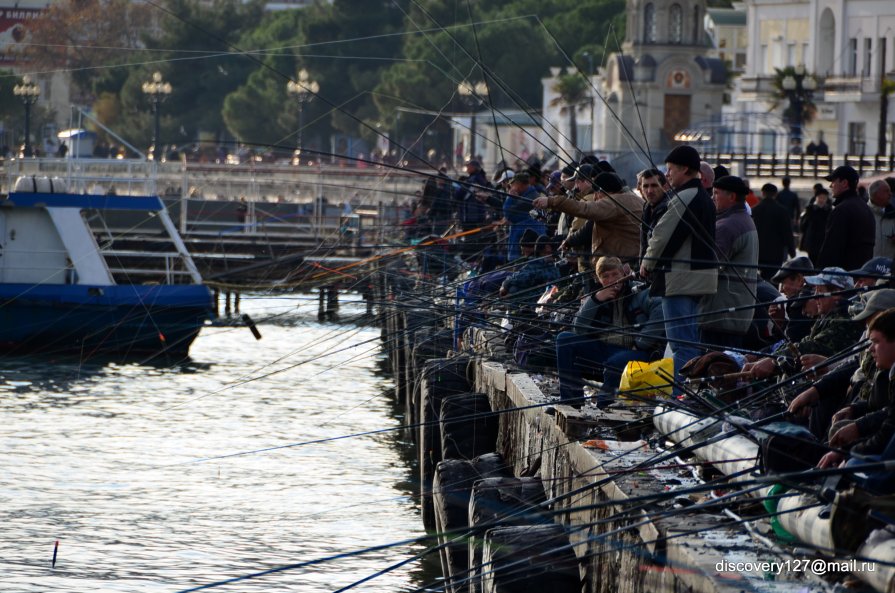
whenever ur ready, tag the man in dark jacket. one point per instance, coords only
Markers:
(851, 228)
(774, 225)
(680, 258)
(653, 186)
(471, 211)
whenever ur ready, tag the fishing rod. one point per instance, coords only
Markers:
(472, 571)
(881, 466)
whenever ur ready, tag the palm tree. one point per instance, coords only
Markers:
(797, 86)
(571, 90)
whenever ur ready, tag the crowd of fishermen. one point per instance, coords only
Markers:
(585, 274)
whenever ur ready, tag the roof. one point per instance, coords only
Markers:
(727, 17)
(717, 69)
(625, 67)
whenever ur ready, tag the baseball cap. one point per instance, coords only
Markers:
(835, 277)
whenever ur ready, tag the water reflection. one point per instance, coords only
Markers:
(102, 456)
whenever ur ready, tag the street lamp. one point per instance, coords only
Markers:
(473, 96)
(28, 92)
(798, 87)
(157, 90)
(304, 91)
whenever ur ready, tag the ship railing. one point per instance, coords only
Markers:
(168, 267)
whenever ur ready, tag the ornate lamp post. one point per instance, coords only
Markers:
(28, 92)
(157, 90)
(304, 90)
(473, 96)
(798, 87)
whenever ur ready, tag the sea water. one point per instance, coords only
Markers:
(161, 476)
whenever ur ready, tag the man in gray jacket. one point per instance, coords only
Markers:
(680, 259)
(737, 243)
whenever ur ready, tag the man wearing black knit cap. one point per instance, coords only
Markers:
(680, 258)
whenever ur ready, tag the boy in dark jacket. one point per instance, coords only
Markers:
(604, 336)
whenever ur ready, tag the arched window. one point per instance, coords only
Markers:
(676, 24)
(649, 23)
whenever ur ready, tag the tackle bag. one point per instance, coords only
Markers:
(784, 447)
(647, 379)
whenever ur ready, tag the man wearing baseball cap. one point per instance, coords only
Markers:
(878, 268)
(853, 380)
(832, 332)
(851, 228)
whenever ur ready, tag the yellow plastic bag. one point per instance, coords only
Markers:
(647, 379)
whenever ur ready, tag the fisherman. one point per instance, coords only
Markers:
(525, 285)
(579, 235)
(791, 280)
(871, 434)
(614, 216)
(654, 189)
(602, 335)
(850, 231)
(832, 332)
(680, 258)
(852, 380)
(873, 270)
(472, 210)
(516, 208)
(737, 246)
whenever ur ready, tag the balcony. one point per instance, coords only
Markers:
(841, 89)
(756, 87)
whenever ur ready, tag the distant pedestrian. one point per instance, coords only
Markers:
(850, 232)
(813, 223)
(790, 200)
(884, 214)
(775, 239)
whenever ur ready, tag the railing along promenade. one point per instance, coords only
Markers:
(799, 166)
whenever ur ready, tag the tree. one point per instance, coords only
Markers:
(572, 92)
(796, 86)
(79, 36)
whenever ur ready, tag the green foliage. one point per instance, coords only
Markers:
(229, 63)
(805, 98)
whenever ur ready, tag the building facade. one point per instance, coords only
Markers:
(846, 46)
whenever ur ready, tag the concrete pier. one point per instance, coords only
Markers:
(593, 470)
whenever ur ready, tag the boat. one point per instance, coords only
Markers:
(70, 284)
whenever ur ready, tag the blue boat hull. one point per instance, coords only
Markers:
(108, 320)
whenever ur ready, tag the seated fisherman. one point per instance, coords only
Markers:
(525, 285)
(852, 380)
(791, 281)
(832, 332)
(604, 335)
(872, 438)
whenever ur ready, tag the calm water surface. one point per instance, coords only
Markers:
(111, 459)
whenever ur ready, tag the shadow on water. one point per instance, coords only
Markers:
(428, 570)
